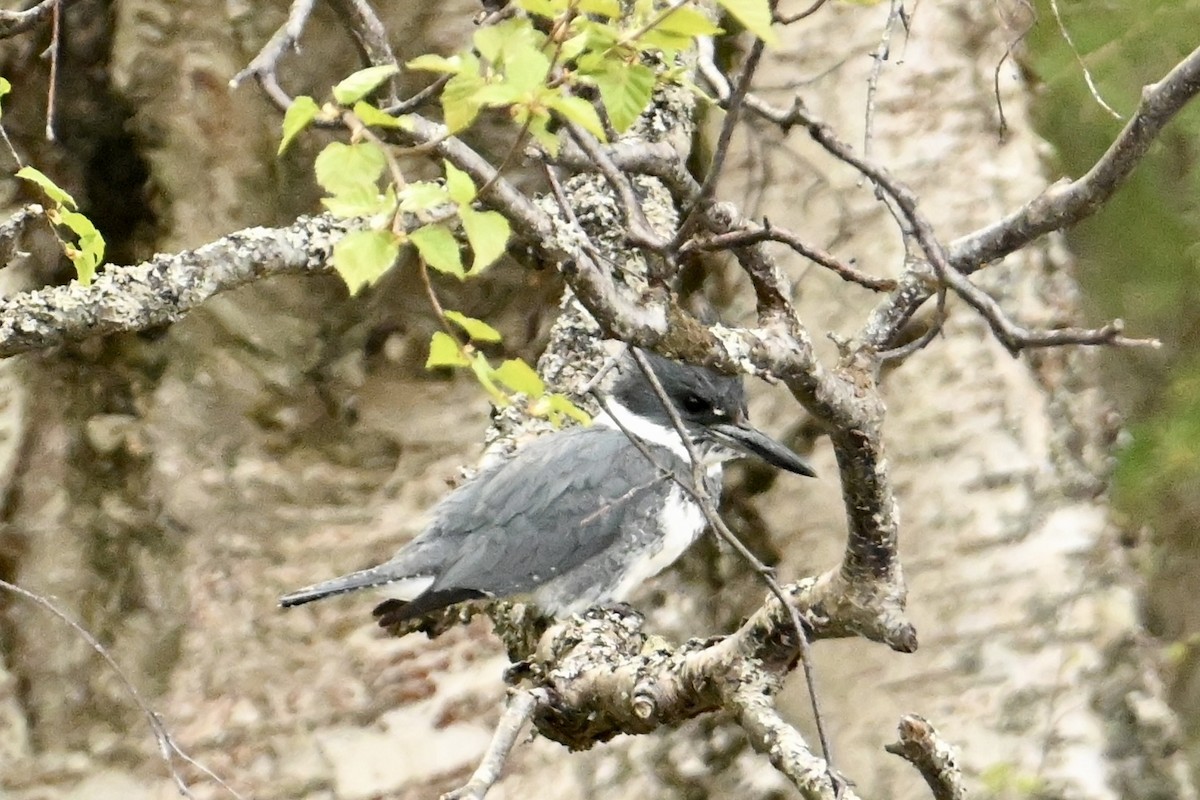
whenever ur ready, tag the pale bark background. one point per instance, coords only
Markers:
(169, 487)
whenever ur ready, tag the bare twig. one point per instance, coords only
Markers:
(921, 745)
(372, 37)
(1009, 47)
(1087, 73)
(881, 54)
(1016, 338)
(418, 97)
(168, 750)
(517, 712)
(1011, 335)
(14, 22)
(770, 233)
(808, 12)
(640, 232)
(1067, 202)
(264, 65)
(733, 110)
(54, 50)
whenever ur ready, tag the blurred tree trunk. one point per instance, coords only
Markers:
(169, 487)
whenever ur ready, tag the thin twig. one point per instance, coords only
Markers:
(516, 714)
(167, 749)
(770, 233)
(655, 21)
(594, 381)
(640, 231)
(808, 12)
(1009, 47)
(733, 110)
(881, 54)
(54, 50)
(1087, 73)
(1067, 202)
(14, 22)
(372, 37)
(287, 37)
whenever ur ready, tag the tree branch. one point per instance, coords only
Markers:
(747, 695)
(15, 22)
(1068, 202)
(517, 712)
(922, 746)
(165, 288)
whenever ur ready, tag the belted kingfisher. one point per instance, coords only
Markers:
(579, 517)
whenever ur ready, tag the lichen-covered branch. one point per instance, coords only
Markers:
(921, 745)
(165, 288)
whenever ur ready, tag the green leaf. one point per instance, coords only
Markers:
(432, 63)
(477, 329)
(581, 112)
(561, 404)
(437, 246)
(298, 116)
(459, 185)
(345, 168)
(5, 88)
(52, 190)
(361, 257)
(360, 84)
(603, 8)
(544, 8)
(373, 117)
(489, 41)
(89, 253)
(540, 131)
(668, 42)
(754, 16)
(520, 377)
(363, 201)
(687, 21)
(487, 233)
(483, 372)
(526, 67)
(445, 352)
(499, 94)
(625, 90)
(460, 101)
(509, 42)
(421, 196)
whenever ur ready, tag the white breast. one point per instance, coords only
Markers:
(680, 521)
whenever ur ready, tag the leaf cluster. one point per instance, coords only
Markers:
(85, 245)
(539, 67)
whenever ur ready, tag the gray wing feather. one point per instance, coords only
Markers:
(561, 502)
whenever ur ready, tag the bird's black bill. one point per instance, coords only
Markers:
(754, 442)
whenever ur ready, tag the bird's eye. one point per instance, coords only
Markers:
(694, 404)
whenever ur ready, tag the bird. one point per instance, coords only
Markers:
(580, 517)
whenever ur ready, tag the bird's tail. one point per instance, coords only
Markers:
(402, 586)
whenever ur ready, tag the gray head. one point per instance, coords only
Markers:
(711, 406)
